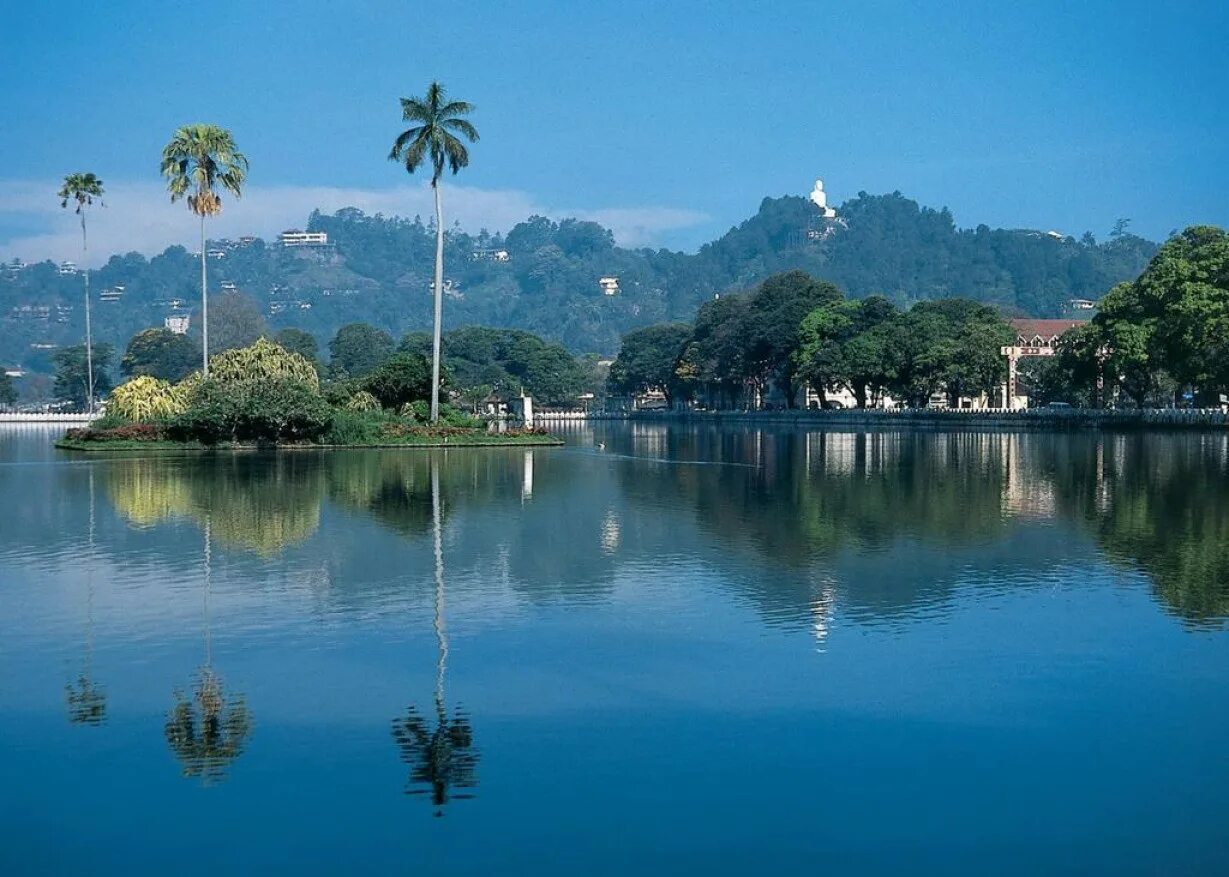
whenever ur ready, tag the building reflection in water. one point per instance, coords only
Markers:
(439, 749)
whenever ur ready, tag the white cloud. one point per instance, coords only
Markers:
(140, 217)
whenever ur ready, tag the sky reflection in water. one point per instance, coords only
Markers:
(694, 649)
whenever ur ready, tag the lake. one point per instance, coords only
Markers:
(662, 649)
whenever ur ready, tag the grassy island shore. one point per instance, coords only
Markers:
(472, 439)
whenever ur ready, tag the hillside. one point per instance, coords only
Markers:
(544, 276)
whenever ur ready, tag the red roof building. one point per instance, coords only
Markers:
(1042, 333)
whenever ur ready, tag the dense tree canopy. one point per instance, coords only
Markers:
(160, 353)
(648, 359)
(358, 349)
(71, 378)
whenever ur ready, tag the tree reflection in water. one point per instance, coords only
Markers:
(442, 757)
(86, 701)
(205, 731)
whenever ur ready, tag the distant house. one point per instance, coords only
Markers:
(1042, 334)
(67, 268)
(111, 293)
(177, 324)
(609, 285)
(1081, 304)
(297, 238)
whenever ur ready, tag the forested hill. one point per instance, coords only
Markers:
(545, 276)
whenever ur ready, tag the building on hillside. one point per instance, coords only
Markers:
(494, 254)
(1081, 304)
(177, 323)
(297, 238)
(247, 240)
(14, 265)
(67, 268)
(229, 286)
(111, 293)
(609, 285)
(216, 253)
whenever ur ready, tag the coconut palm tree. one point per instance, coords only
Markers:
(438, 121)
(81, 190)
(441, 758)
(207, 731)
(198, 160)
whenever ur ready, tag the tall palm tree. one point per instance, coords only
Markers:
(438, 121)
(441, 758)
(82, 189)
(199, 159)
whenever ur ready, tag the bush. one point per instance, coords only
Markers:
(338, 393)
(362, 401)
(449, 416)
(145, 399)
(356, 427)
(132, 432)
(404, 378)
(281, 409)
(262, 361)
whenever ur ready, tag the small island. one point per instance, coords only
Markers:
(263, 396)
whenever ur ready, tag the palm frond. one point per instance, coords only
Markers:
(463, 127)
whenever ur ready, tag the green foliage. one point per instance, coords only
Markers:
(774, 314)
(8, 390)
(355, 427)
(404, 378)
(508, 361)
(235, 320)
(358, 349)
(72, 377)
(433, 136)
(145, 399)
(261, 361)
(648, 359)
(300, 342)
(270, 410)
(160, 353)
(362, 401)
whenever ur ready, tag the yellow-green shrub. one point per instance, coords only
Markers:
(144, 399)
(362, 401)
(262, 361)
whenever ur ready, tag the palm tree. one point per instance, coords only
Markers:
(82, 189)
(198, 159)
(442, 758)
(438, 122)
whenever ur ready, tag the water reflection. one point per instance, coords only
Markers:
(802, 525)
(207, 729)
(442, 757)
(85, 699)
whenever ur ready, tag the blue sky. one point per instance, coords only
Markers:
(668, 121)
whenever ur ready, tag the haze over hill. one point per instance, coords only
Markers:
(555, 278)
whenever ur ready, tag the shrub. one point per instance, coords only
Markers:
(449, 416)
(132, 432)
(404, 378)
(144, 399)
(355, 427)
(338, 393)
(281, 409)
(262, 361)
(362, 401)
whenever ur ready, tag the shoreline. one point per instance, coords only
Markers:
(1028, 419)
(539, 441)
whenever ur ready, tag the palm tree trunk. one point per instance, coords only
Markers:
(204, 307)
(89, 339)
(439, 303)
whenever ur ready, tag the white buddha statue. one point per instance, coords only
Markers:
(820, 199)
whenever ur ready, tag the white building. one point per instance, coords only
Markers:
(68, 268)
(296, 238)
(609, 285)
(177, 324)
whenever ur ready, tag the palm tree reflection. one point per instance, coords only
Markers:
(205, 731)
(441, 757)
(87, 702)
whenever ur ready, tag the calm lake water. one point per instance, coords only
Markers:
(659, 650)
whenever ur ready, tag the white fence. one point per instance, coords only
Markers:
(44, 417)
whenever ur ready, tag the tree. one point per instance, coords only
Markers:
(357, 349)
(159, 353)
(82, 189)
(774, 314)
(300, 342)
(8, 390)
(648, 359)
(971, 361)
(234, 321)
(438, 121)
(843, 343)
(197, 160)
(404, 378)
(71, 372)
